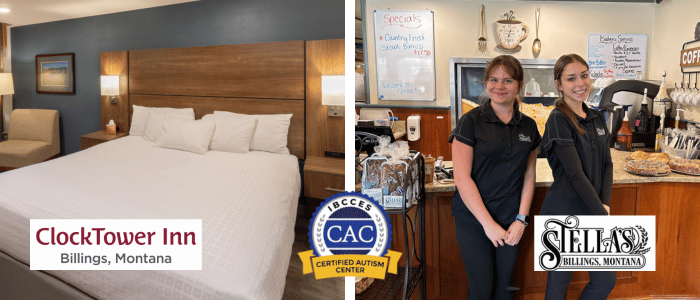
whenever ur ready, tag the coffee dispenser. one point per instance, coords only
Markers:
(635, 89)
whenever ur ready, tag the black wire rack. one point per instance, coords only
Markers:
(408, 278)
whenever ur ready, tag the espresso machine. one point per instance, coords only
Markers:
(622, 93)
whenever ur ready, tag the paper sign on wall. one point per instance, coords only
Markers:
(405, 52)
(617, 55)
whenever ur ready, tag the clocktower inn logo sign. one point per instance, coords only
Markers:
(595, 243)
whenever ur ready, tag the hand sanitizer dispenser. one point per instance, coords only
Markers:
(413, 125)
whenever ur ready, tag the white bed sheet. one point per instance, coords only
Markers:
(247, 203)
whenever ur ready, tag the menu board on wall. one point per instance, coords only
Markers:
(617, 55)
(405, 52)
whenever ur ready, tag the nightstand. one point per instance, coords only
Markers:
(92, 139)
(323, 177)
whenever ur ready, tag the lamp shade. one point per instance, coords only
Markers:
(333, 89)
(7, 86)
(109, 85)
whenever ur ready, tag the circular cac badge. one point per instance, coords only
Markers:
(349, 223)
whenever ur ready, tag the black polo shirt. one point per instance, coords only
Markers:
(500, 159)
(563, 197)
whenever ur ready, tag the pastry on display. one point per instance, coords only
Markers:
(362, 283)
(536, 111)
(647, 168)
(640, 155)
(685, 166)
(660, 157)
(468, 105)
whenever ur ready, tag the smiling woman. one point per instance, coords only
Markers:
(575, 84)
(494, 148)
(502, 88)
(575, 143)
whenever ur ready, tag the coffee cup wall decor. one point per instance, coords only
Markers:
(510, 33)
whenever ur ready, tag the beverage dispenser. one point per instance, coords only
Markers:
(629, 92)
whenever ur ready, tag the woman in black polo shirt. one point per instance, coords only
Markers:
(494, 150)
(574, 142)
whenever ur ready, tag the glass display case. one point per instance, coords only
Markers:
(467, 77)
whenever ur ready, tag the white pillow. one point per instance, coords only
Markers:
(232, 134)
(138, 120)
(270, 133)
(188, 135)
(140, 117)
(154, 125)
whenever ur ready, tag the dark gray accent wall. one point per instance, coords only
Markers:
(200, 23)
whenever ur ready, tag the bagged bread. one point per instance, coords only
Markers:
(409, 182)
(394, 183)
(371, 178)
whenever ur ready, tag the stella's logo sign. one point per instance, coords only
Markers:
(604, 243)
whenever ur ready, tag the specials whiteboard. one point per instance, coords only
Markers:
(405, 52)
(617, 55)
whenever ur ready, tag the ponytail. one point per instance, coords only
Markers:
(561, 105)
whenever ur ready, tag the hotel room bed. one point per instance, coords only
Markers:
(247, 203)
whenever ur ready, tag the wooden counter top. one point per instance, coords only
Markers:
(620, 176)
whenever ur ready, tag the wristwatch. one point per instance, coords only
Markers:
(523, 219)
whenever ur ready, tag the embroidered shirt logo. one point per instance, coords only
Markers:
(524, 138)
(600, 131)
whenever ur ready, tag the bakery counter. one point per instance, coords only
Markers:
(620, 176)
(672, 199)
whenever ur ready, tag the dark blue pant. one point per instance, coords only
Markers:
(489, 269)
(600, 286)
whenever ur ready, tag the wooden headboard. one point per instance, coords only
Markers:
(264, 78)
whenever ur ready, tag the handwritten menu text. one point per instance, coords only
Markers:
(617, 55)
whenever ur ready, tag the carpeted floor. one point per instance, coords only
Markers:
(300, 286)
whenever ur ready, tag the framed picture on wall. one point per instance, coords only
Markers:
(55, 74)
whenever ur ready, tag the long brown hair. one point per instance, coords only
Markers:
(513, 67)
(562, 62)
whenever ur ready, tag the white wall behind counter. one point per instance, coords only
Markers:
(674, 25)
(564, 28)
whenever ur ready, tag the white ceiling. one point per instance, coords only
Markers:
(26, 12)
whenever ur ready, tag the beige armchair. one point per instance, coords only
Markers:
(33, 137)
